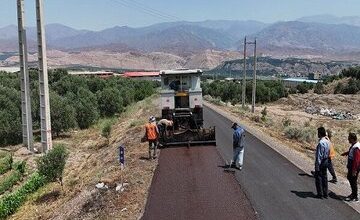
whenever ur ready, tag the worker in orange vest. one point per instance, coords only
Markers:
(152, 135)
(331, 157)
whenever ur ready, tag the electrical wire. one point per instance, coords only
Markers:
(147, 10)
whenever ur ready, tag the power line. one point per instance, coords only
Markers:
(146, 10)
(153, 9)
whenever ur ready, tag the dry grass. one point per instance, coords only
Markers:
(92, 161)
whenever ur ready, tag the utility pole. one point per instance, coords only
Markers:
(254, 81)
(27, 130)
(46, 139)
(244, 78)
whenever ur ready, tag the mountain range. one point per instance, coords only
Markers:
(322, 36)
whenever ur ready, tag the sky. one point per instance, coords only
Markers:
(101, 14)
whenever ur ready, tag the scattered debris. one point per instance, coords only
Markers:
(101, 186)
(121, 187)
(338, 115)
(123, 210)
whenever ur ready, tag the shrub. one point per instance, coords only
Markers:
(6, 164)
(52, 164)
(300, 134)
(256, 118)
(264, 114)
(9, 181)
(11, 202)
(106, 130)
(319, 88)
(286, 122)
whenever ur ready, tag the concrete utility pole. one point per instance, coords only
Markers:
(254, 81)
(27, 130)
(244, 78)
(46, 139)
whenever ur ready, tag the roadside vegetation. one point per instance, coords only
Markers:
(76, 101)
(229, 91)
(351, 86)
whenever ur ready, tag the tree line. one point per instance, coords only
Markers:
(229, 91)
(75, 101)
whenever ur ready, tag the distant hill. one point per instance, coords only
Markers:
(331, 19)
(291, 67)
(312, 37)
(321, 37)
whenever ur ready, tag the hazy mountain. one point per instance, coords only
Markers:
(331, 19)
(311, 36)
(8, 32)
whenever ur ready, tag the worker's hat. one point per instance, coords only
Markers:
(152, 119)
(234, 125)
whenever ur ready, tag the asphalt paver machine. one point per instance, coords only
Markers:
(182, 102)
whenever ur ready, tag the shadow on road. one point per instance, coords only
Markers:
(336, 197)
(304, 195)
(306, 174)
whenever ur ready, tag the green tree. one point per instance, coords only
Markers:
(110, 102)
(10, 116)
(85, 104)
(63, 115)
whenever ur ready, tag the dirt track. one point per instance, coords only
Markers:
(191, 184)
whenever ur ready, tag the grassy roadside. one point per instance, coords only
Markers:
(92, 159)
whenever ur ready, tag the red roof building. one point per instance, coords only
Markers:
(141, 74)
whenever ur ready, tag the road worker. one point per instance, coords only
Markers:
(152, 135)
(238, 146)
(321, 164)
(331, 157)
(163, 126)
(353, 166)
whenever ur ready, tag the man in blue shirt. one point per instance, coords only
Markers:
(321, 164)
(238, 146)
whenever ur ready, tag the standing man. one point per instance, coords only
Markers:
(152, 135)
(321, 164)
(353, 166)
(238, 146)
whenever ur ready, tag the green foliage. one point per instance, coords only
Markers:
(319, 88)
(11, 202)
(52, 164)
(110, 102)
(86, 107)
(63, 115)
(14, 177)
(10, 116)
(20, 167)
(339, 88)
(264, 114)
(304, 87)
(266, 91)
(6, 164)
(106, 130)
(72, 97)
(300, 134)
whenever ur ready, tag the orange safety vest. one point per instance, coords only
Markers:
(332, 151)
(151, 131)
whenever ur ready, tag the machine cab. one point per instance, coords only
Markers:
(181, 94)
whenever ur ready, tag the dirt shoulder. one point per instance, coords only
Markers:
(93, 161)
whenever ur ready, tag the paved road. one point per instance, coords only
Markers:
(189, 184)
(273, 184)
